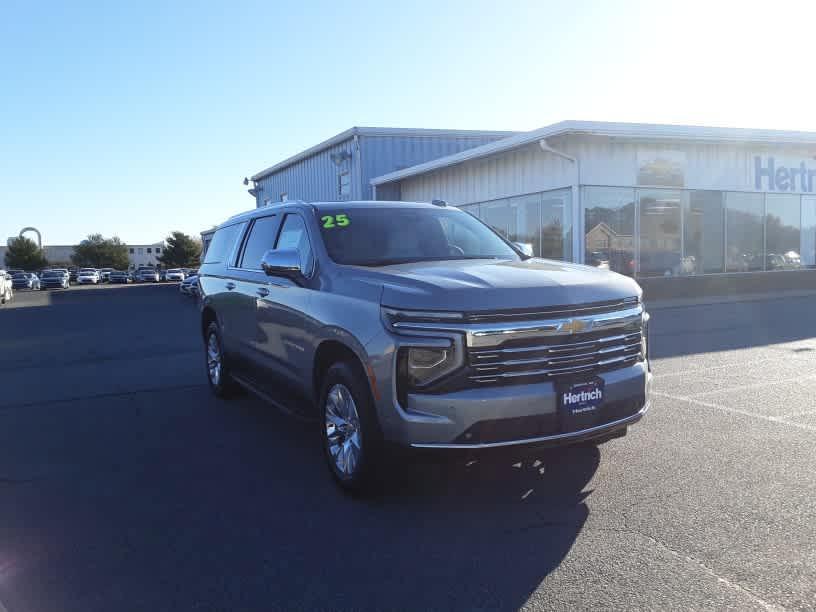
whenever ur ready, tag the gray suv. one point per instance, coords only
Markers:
(416, 324)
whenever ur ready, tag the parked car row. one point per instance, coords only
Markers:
(25, 280)
(61, 278)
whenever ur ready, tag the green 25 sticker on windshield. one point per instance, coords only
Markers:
(330, 221)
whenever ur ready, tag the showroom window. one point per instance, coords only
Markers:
(744, 232)
(541, 221)
(808, 235)
(661, 252)
(556, 225)
(703, 223)
(782, 231)
(609, 228)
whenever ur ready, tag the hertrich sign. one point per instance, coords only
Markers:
(770, 176)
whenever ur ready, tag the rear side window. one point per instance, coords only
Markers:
(261, 239)
(222, 242)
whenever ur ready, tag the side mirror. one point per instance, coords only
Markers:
(525, 247)
(282, 262)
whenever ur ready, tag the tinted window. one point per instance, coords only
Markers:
(609, 228)
(293, 236)
(660, 252)
(782, 232)
(703, 221)
(383, 236)
(744, 231)
(222, 243)
(261, 239)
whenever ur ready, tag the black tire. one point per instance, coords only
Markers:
(363, 478)
(224, 386)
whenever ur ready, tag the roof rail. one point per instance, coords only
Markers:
(269, 204)
(280, 203)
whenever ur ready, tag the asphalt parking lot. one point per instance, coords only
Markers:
(125, 486)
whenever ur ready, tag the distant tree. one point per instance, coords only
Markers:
(99, 252)
(24, 253)
(181, 251)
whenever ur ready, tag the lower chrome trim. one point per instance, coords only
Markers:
(599, 429)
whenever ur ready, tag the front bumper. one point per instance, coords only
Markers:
(517, 415)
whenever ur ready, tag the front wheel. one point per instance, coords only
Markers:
(352, 441)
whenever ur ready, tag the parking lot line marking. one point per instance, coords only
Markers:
(761, 385)
(763, 417)
(683, 372)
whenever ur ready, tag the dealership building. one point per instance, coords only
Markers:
(642, 199)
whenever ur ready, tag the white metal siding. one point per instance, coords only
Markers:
(314, 178)
(521, 171)
(726, 166)
(603, 161)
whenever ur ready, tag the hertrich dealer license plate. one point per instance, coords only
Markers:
(579, 404)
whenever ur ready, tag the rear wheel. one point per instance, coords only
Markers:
(352, 441)
(218, 374)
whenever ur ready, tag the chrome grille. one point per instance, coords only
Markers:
(554, 311)
(550, 356)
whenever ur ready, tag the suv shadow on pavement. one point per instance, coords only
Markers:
(475, 533)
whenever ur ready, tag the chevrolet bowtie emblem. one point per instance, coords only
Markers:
(574, 326)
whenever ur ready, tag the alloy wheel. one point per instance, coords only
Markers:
(214, 360)
(343, 432)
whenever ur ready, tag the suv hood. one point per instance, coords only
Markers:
(486, 285)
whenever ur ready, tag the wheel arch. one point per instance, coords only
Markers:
(207, 316)
(332, 351)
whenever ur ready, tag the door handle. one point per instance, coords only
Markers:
(230, 286)
(262, 291)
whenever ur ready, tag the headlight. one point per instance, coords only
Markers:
(420, 366)
(395, 319)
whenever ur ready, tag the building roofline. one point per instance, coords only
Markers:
(651, 131)
(372, 131)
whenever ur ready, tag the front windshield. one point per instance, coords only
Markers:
(386, 235)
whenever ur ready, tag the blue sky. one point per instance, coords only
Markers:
(140, 119)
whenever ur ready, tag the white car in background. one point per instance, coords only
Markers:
(147, 275)
(62, 271)
(174, 274)
(6, 291)
(88, 276)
